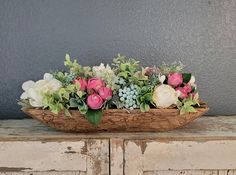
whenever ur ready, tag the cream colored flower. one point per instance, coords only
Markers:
(34, 90)
(164, 96)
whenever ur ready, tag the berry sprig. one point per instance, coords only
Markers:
(128, 96)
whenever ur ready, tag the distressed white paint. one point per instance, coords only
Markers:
(98, 157)
(227, 172)
(116, 156)
(44, 173)
(180, 155)
(38, 156)
(200, 148)
(184, 172)
(90, 156)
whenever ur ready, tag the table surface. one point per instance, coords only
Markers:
(205, 128)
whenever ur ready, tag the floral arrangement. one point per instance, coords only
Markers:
(123, 85)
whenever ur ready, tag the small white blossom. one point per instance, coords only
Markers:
(192, 80)
(161, 78)
(106, 74)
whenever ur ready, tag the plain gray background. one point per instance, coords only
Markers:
(36, 34)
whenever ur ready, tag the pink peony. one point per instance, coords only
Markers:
(95, 84)
(94, 101)
(82, 82)
(183, 92)
(175, 79)
(105, 93)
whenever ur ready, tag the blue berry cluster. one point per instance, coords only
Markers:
(120, 81)
(128, 96)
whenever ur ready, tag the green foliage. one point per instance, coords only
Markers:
(94, 116)
(169, 68)
(132, 87)
(145, 98)
(144, 107)
(186, 77)
(80, 104)
(73, 66)
(187, 105)
(76, 68)
(64, 77)
(61, 99)
(127, 68)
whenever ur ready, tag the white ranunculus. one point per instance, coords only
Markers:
(34, 90)
(164, 96)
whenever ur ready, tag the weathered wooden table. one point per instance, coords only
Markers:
(207, 146)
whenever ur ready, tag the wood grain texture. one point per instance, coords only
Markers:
(45, 173)
(115, 120)
(141, 155)
(227, 172)
(202, 129)
(117, 156)
(183, 172)
(90, 156)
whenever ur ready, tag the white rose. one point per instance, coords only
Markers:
(164, 96)
(34, 90)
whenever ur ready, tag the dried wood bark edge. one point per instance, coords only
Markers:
(117, 120)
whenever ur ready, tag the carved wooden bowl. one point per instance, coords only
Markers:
(117, 120)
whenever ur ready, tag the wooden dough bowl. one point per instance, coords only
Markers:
(117, 120)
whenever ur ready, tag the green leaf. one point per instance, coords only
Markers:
(190, 109)
(67, 112)
(94, 116)
(73, 103)
(144, 107)
(147, 97)
(67, 56)
(123, 74)
(186, 77)
(182, 111)
(123, 66)
(70, 88)
(80, 94)
(83, 108)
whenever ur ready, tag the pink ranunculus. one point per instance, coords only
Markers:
(94, 101)
(187, 88)
(95, 84)
(175, 79)
(105, 93)
(183, 92)
(82, 82)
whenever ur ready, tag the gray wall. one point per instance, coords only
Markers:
(36, 34)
